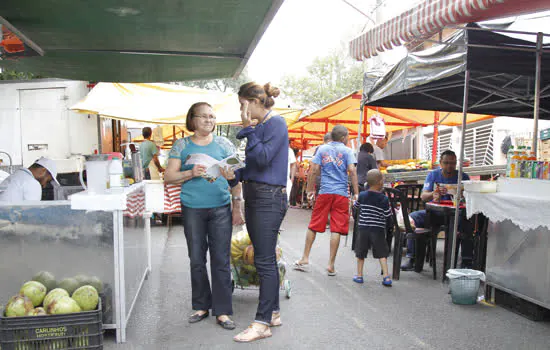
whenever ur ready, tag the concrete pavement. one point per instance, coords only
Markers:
(324, 312)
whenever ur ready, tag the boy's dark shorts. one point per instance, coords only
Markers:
(371, 239)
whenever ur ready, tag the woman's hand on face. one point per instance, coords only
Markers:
(228, 173)
(198, 170)
(245, 114)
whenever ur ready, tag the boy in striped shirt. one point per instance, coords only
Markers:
(374, 218)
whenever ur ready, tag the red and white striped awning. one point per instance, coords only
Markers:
(429, 17)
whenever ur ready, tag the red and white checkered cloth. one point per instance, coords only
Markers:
(172, 203)
(135, 204)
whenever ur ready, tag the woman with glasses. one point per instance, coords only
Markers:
(265, 179)
(207, 214)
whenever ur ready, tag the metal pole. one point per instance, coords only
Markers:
(360, 126)
(537, 93)
(459, 183)
(365, 122)
(435, 138)
(302, 139)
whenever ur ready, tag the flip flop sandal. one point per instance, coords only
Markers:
(276, 320)
(300, 267)
(251, 334)
(387, 282)
(358, 279)
(331, 273)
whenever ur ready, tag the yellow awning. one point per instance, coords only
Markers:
(163, 103)
(346, 112)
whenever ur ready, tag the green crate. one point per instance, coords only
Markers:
(82, 330)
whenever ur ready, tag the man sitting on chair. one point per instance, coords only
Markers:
(448, 175)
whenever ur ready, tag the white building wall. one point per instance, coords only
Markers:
(29, 116)
(502, 127)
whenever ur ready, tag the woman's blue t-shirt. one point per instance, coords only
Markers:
(198, 192)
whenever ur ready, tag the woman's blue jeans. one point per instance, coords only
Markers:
(265, 209)
(209, 229)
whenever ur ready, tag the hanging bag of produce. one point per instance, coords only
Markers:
(377, 127)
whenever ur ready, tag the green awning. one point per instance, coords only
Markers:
(139, 41)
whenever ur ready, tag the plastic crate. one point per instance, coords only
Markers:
(83, 330)
(544, 145)
(544, 134)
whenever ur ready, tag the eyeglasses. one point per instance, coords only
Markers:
(205, 117)
(449, 163)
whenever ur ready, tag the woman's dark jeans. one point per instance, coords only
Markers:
(209, 229)
(265, 209)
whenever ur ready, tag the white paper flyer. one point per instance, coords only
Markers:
(213, 166)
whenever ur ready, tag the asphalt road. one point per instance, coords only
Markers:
(324, 312)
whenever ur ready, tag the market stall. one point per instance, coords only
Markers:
(519, 239)
(419, 176)
(473, 74)
(164, 104)
(309, 130)
(107, 236)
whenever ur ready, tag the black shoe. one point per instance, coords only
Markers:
(197, 318)
(408, 266)
(227, 324)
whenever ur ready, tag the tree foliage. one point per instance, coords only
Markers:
(6, 74)
(328, 79)
(223, 85)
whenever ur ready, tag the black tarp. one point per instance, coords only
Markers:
(501, 80)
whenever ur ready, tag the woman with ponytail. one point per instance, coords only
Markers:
(264, 181)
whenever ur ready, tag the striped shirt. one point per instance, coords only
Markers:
(374, 211)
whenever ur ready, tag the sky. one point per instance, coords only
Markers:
(305, 29)
(301, 31)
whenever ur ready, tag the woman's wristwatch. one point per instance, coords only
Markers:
(237, 198)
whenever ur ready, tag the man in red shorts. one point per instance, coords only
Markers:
(335, 162)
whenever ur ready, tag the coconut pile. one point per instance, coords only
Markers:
(44, 296)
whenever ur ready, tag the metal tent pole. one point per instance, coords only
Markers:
(360, 126)
(460, 166)
(536, 112)
(435, 138)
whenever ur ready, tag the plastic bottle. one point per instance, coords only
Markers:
(509, 156)
(116, 173)
(540, 170)
(514, 166)
(531, 168)
(523, 163)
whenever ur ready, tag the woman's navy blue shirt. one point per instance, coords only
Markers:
(266, 153)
